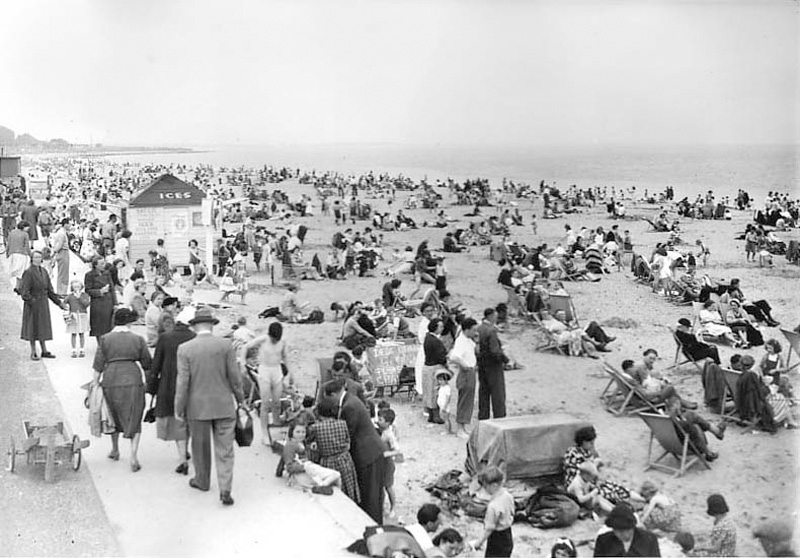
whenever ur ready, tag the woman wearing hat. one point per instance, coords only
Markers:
(723, 533)
(120, 353)
(624, 538)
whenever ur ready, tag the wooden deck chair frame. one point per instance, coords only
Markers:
(669, 434)
(552, 344)
(794, 346)
(631, 398)
(563, 302)
(680, 352)
(648, 280)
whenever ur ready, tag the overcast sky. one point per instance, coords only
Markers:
(170, 72)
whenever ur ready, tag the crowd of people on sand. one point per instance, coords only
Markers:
(347, 435)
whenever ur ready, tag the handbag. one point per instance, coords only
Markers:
(244, 427)
(150, 415)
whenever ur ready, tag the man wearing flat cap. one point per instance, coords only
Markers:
(208, 383)
(625, 538)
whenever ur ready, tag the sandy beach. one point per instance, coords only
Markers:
(756, 471)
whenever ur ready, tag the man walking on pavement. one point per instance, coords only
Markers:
(491, 366)
(208, 382)
(59, 244)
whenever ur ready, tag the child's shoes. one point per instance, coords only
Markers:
(74, 353)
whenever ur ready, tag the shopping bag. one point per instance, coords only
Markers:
(244, 427)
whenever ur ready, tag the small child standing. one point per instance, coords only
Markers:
(534, 224)
(499, 515)
(444, 396)
(391, 452)
(78, 321)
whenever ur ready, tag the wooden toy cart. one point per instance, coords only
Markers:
(50, 444)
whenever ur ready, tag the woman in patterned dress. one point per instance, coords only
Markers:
(331, 440)
(584, 450)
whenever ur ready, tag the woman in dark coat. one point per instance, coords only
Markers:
(100, 287)
(120, 353)
(36, 290)
(161, 385)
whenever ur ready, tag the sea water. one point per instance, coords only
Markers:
(690, 170)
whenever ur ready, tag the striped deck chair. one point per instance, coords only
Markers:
(675, 442)
(623, 397)
(594, 260)
(794, 346)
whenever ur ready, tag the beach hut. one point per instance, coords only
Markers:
(168, 208)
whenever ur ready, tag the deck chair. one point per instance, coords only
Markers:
(675, 442)
(677, 293)
(624, 397)
(568, 274)
(731, 382)
(794, 346)
(678, 352)
(515, 303)
(558, 302)
(643, 271)
(546, 340)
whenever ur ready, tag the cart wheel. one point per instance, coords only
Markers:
(76, 453)
(12, 455)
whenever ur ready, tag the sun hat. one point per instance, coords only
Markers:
(684, 322)
(717, 505)
(621, 517)
(203, 315)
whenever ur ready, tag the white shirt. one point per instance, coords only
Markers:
(463, 352)
(422, 330)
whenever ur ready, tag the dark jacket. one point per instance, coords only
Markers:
(101, 311)
(365, 443)
(164, 370)
(644, 543)
(435, 351)
(490, 350)
(37, 292)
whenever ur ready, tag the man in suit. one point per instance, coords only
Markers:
(208, 382)
(366, 448)
(491, 366)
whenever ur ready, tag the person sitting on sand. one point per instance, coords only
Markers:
(722, 541)
(585, 490)
(660, 513)
(584, 451)
(354, 333)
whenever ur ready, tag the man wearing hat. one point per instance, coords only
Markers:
(692, 347)
(208, 382)
(625, 538)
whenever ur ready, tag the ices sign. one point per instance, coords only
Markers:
(175, 195)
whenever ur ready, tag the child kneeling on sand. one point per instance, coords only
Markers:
(302, 472)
